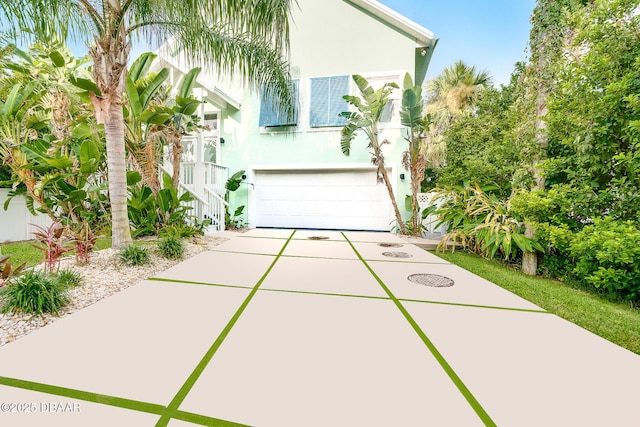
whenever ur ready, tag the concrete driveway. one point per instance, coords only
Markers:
(316, 328)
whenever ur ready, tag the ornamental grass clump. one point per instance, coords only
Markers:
(69, 278)
(33, 293)
(133, 255)
(171, 247)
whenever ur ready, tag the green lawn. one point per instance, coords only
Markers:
(616, 322)
(23, 251)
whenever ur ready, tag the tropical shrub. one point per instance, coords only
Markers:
(50, 241)
(7, 270)
(235, 221)
(185, 230)
(607, 256)
(233, 183)
(480, 222)
(52, 148)
(171, 247)
(149, 213)
(33, 293)
(133, 255)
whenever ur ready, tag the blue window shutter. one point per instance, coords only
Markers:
(319, 101)
(267, 111)
(327, 102)
(270, 115)
(337, 105)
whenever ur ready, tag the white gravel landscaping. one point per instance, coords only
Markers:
(103, 276)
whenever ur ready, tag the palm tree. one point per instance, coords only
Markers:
(235, 36)
(452, 93)
(414, 159)
(370, 108)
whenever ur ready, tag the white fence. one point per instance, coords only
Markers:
(17, 223)
(430, 223)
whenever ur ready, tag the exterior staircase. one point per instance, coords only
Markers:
(205, 181)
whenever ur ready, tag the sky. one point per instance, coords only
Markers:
(490, 34)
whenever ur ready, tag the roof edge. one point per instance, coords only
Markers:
(395, 19)
(213, 90)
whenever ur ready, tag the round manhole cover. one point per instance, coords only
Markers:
(390, 245)
(397, 254)
(318, 238)
(433, 280)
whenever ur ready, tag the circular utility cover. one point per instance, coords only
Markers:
(397, 254)
(318, 238)
(390, 245)
(433, 280)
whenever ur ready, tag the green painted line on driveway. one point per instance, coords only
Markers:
(283, 256)
(333, 294)
(482, 414)
(86, 396)
(118, 402)
(204, 420)
(242, 253)
(172, 409)
(262, 237)
(190, 282)
(491, 307)
(409, 262)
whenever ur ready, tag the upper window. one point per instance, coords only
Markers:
(211, 121)
(391, 112)
(271, 113)
(327, 102)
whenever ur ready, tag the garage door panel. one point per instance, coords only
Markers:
(348, 199)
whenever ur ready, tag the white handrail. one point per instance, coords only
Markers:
(216, 196)
(190, 191)
(187, 189)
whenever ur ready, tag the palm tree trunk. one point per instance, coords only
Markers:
(415, 184)
(385, 178)
(418, 165)
(117, 174)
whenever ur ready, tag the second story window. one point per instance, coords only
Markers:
(273, 115)
(327, 102)
(391, 112)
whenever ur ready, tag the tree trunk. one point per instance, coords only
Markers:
(418, 164)
(117, 175)
(385, 178)
(529, 258)
(110, 52)
(175, 142)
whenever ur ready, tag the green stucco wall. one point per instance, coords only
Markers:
(328, 38)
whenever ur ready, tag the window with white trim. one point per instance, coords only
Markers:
(271, 113)
(391, 113)
(327, 101)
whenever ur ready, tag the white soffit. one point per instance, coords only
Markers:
(215, 92)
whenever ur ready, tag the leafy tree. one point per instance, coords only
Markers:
(594, 132)
(154, 119)
(366, 119)
(414, 159)
(488, 147)
(548, 38)
(249, 37)
(50, 143)
(450, 95)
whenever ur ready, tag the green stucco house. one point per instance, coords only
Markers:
(295, 173)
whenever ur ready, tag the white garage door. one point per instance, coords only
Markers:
(328, 199)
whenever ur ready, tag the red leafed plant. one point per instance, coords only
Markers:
(50, 241)
(7, 270)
